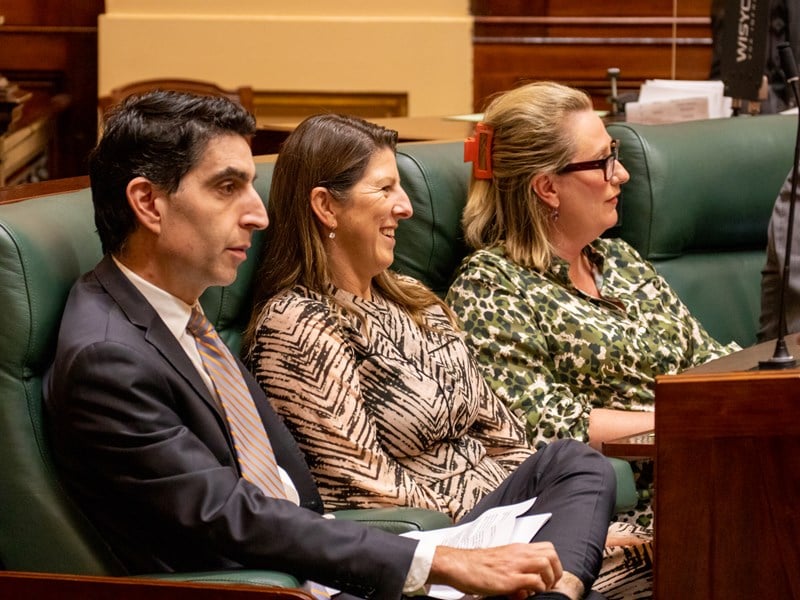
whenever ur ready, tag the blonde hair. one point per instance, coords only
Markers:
(530, 137)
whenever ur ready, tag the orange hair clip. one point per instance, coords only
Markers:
(478, 151)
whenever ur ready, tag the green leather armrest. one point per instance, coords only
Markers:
(394, 520)
(240, 576)
(627, 497)
(397, 519)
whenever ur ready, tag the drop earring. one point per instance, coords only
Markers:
(332, 235)
(554, 214)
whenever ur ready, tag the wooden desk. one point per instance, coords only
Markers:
(747, 359)
(272, 132)
(727, 474)
(632, 447)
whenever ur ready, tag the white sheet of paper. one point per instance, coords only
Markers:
(496, 527)
(676, 90)
(667, 111)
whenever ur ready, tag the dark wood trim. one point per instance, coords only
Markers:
(44, 586)
(598, 21)
(48, 29)
(585, 41)
(25, 191)
(303, 104)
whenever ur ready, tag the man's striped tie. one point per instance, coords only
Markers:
(253, 449)
(255, 454)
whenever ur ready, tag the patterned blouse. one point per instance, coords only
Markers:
(552, 352)
(388, 413)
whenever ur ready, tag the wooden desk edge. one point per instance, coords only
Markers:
(640, 445)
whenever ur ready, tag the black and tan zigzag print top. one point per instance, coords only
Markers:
(388, 413)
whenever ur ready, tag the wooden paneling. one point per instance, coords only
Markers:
(575, 42)
(57, 13)
(727, 469)
(269, 104)
(50, 46)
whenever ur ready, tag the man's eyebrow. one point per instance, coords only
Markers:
(230, 172)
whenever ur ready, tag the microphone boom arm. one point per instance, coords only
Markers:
(781, 359)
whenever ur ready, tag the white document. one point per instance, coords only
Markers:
(669, 101)
(667, 111)
(496, 527)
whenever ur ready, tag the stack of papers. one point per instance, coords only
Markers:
(496, 527)
(670, 101)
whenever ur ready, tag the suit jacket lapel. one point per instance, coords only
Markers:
(141, 313)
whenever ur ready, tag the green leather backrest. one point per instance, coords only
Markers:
(430, 244)
(45, 245)
(697, 206)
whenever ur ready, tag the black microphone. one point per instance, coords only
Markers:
(781, 359)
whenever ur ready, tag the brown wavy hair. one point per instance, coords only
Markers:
(332, 151)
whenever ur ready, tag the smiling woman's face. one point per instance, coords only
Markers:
(366, 222)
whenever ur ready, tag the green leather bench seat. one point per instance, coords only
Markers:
(697, 206)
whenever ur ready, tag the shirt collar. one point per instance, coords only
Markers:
(173, 311)
(560, 268)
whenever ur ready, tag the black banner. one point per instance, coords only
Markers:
(744, 47)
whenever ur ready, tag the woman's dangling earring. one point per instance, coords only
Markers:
(554, 214)
(332, 235)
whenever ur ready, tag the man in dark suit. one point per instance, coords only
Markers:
(139, 425)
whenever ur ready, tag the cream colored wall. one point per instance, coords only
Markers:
(420, 47)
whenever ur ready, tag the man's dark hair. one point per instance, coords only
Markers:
(161, 136)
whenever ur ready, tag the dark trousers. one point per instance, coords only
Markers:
(577, 485)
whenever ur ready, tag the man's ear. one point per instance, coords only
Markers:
(545, 188)
(323, 207)
(143, 198)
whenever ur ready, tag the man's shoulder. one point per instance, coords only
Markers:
(88, 308)
(93, 316)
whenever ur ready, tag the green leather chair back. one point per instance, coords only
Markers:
(430, 245)
(697, 206)
(45, 245)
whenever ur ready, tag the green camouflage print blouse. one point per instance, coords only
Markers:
(553, 353)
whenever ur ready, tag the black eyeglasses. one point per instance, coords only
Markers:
(607, 164)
